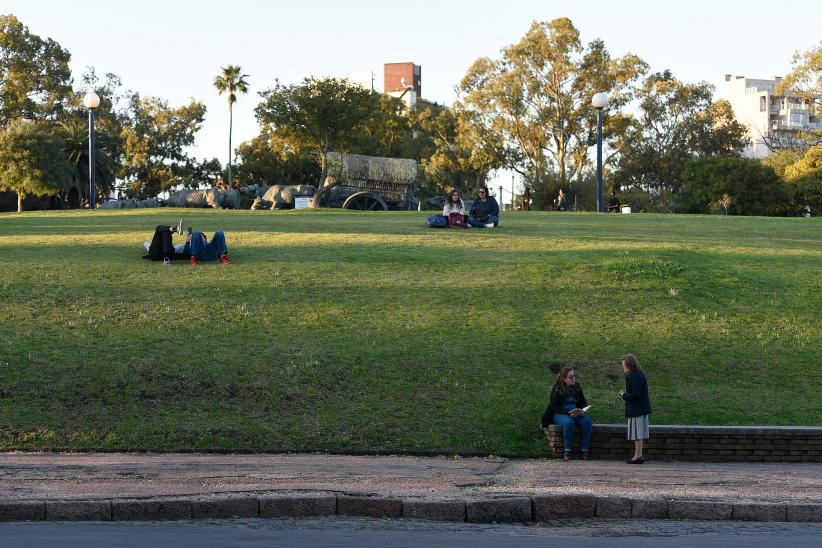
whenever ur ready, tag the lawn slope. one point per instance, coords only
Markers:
(349, 331)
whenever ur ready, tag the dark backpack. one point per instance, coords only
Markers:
(438, 221)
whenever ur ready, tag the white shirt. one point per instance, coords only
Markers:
(449, 208)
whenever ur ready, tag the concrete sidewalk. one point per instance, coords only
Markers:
(475, 489)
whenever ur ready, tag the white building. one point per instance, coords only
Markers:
(773, 120)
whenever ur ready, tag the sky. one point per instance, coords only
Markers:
(173, 49)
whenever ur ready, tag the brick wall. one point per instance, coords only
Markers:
(395, 72)
(703, 443)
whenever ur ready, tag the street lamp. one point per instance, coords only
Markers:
(599, 101)
(91, 101)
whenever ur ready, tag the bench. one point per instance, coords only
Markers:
(702, 443)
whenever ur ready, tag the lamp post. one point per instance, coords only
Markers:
(599, 102)
(91, 101)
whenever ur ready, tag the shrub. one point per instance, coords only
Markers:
(751, 187)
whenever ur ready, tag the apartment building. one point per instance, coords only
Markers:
(773, 120)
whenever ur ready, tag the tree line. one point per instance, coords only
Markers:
(668, 145)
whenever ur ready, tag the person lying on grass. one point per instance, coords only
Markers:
(161, 247)
(203, 250)
(197, 247)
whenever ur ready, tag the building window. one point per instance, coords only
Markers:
(762, 104)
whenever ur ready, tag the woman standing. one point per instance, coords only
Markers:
(565, 409)
(637, 405)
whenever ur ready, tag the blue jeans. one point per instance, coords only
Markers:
(473, 221)
(211, 251)
(567, 423)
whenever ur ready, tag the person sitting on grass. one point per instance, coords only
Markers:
(454, 209)
(485, 211)
(613, 203)
(203, 250)
(565, 409)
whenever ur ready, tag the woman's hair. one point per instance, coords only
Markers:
(450, 198)
(630, 362)
(564, 387)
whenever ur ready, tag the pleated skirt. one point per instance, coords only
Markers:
(638, 428)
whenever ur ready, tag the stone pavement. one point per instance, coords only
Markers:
(182, 486)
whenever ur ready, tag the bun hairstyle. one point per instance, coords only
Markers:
(630, 362)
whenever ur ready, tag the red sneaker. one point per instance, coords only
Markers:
(194, 261)
(224, 259)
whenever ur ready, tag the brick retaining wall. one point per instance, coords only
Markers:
(703, 443)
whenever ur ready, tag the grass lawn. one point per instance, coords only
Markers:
(349, 331)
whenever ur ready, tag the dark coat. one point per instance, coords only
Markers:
(162, 246)
(555, 402)
(636, 398)
(481, 210)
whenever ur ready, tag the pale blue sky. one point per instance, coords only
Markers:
(173, 49)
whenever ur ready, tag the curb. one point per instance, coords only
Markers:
(502, 509)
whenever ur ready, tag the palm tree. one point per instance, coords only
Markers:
(75, 145)
(231, 81)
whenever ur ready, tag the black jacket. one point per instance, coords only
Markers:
(481, 210)
(162, 246)
(555, 403)
(636, 398)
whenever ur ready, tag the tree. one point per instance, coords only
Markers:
(532, 106)
(751, 187)
(231, 82)
(677, 122)
(32, 161)
(450, 152)
(35, 80)
(270, 159)
(805, 179)
(74, 136)
(194, 173)
(323, 113)
(805, 80)
(154, 141)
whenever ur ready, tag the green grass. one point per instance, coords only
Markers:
(347, 331)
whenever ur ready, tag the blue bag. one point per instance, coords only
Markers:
(438, 221)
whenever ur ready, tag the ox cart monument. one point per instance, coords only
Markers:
(370, 183)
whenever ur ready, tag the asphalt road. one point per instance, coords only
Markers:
(334, 532)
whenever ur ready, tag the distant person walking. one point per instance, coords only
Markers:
(526, 199)
(637, 405)
(561, 202)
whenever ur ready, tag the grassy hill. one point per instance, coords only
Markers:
(336, 330)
